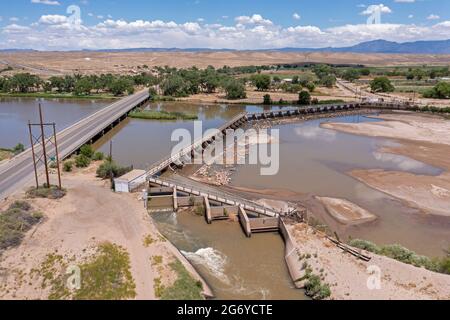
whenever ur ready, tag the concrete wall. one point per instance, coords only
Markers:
(187, 202)
(264, 223)
(160, 202)
(291, 255)
(220, 211)
(156, 190)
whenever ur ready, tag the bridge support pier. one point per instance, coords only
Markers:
(208, 216)
(245, 222)
(175, 199)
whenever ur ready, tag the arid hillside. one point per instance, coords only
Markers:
(49, 63)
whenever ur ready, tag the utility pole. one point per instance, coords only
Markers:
(44, 150)
(57, 156)
(111, 172)
(34, 155)
(42, 156)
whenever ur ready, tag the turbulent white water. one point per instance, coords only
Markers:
(212, 259)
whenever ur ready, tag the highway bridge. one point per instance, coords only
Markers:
(19, 171)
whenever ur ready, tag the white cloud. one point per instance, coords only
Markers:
(54, 32)
(47, 2)
(255, 19)
(373, 8)
(433, 17)
(296, 16)
(53, 19)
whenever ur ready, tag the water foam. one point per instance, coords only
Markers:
(212, 259)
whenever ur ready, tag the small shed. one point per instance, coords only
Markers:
(129, 181)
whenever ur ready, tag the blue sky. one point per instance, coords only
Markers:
(245, 24)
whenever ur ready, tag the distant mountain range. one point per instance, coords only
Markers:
(376, 46)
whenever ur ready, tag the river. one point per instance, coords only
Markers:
(313, 161)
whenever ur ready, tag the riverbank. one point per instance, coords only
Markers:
(419, 137)
(87, 217)
(58, 96)
(349, 278)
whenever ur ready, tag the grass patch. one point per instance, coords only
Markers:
(184, 288)
(162, 115)
(15, 222)
(157, 260)
(52, 193)
(314, 288)
(402, 254)
(148, 241)
(5, 154)
(105, 275)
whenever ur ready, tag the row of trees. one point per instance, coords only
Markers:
(77, 84)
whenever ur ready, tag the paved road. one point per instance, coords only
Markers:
(19, 171)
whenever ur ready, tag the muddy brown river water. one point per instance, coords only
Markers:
(313, 161)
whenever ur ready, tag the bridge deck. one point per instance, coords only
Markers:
(19, 170)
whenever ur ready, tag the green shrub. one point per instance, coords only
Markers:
(365, 245)
(14, 222)
(267, 99)
(68, 165)
(22, 205)
(82, 161)
(108, 167)
(444, 265)
(18, 149)
(304, 98)
(47, 193)
(402, 254)
(315, 289)
(98, 156)
(87, 150)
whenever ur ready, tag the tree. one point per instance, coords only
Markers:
(304, 98)
(261, 81)
(57, 82)
(328, 81)
(381, 84)
(19, 148)
(267, 99)
(310, 86)
(83, 87)
(174, 85)
(23, 82)
(440, 91)
(234, 89)
(351, 75)
(121, 85)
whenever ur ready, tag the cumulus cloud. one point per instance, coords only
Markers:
(57, 32)
(375, 8)
(47, 2)
(53, 19)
